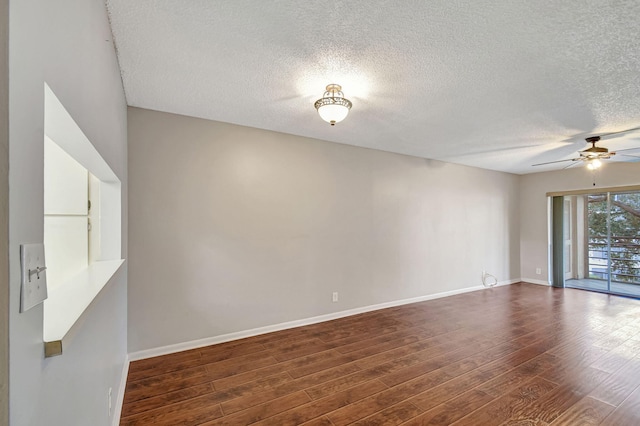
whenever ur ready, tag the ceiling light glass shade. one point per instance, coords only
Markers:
(594, 164)
(333, 107)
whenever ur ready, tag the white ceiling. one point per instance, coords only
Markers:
(489, 83)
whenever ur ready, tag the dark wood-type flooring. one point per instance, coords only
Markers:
(519, 354)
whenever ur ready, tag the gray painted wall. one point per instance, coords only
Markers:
(234, 228)
(4, 212)
(533, 206)
(66, 43)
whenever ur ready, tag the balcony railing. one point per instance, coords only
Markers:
(624, 258)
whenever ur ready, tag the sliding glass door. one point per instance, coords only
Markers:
(600, 242)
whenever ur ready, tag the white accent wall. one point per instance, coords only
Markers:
(68, 45)
(534, 211)
(235, 228)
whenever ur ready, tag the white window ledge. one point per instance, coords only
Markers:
(66, 303)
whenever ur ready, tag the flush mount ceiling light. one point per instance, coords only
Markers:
(333, 107)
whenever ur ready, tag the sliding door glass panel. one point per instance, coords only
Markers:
(574, 238)
(624, 241)
(598, 242)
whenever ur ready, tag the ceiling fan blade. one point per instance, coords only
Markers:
(627, 149)
(627, 155)
(559, 161)
(606, 135)
(570, 165)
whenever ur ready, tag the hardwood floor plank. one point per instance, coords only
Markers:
(393, 415)
(453, 410)
(510, 406)
(410, 334)
(619, 385)
(384, 347)
(387, 398)
(305, 361)
(262, 411)
(482, 375)
(146, 404)
(311, 363)
(190, 412)
(330, 360)
(574, 386)
(168, 382)
(586, 412)
(359, 332)
(161, 379)
(627, 413)
(235, 366)
(514, 377)
(319, 421)
(425, 348)
(181, 379)
(409, 370)
(439, 394)
(618, 337)
(343, 382)
(323, 406)
(618, 357)
(165, 360)
(255, 398)
(231, 349)
(576, 376)
(211, 399)
(165, 365)
(580, 353)
(238, 376)
(299, 349)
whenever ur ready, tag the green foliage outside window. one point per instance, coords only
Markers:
(624, 221)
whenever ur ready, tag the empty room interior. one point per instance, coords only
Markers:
(323, 213)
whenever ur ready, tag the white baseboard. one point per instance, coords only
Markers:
(539, 282)
(117, 408)
(194, 344)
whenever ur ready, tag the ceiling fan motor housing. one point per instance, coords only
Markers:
(595, 151)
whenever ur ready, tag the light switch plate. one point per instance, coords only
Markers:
(34, 276)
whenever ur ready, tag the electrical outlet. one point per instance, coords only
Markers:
(110, 404)
(335, 296)
(538, 271)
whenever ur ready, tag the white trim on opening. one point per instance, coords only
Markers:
(67, 301)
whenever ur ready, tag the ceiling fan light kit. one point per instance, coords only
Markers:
(333, 107)
(594, 164)
(594, 154)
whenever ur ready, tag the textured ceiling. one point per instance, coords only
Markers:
(494, 84)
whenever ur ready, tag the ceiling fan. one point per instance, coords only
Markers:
(594, 154)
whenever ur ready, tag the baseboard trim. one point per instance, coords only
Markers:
(194, 344)
(117, 408)
(538, 282)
